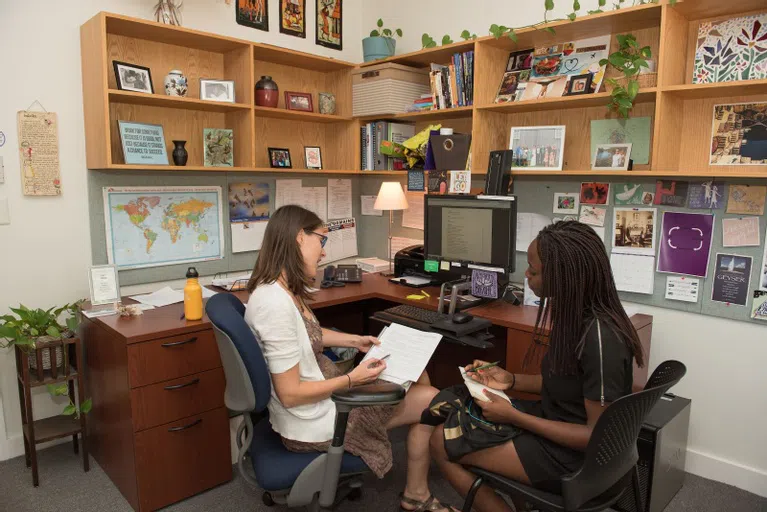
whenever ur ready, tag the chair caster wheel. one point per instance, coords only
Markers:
(355, 494)
(267, 499)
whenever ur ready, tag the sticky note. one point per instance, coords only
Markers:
(444, 265)
(431, 265)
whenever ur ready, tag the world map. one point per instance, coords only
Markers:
(163, 226)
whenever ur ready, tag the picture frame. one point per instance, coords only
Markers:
(279, 158)
(579, 84)
(143, 143)
(217, 90)
(329, 24)
(611, 157)
(537, 148)
(736, 136)
(104, 284)
(253, 14)
(218, 147)
(301, 101)
(293, 18)
(312, 157)
(567, 203)
(132, 77)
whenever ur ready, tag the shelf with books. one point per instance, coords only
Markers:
(159, 100)
(564, 102)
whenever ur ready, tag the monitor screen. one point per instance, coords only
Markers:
(471, 230)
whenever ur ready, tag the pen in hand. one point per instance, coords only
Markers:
(377, 363)
(483, 367)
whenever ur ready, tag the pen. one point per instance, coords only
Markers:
(382, 359)
(424, 293)
(484, 366)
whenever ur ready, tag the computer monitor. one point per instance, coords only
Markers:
(471, 230)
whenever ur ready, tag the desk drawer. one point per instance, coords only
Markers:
(171, 358)
(183, 458)
(167, 401)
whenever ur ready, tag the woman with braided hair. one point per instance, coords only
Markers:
(592, 345)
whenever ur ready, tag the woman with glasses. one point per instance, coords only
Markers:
(303, 378)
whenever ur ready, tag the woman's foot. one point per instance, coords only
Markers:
(429, 503)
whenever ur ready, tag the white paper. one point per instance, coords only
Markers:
(288, 192)
(248, 236)
(104, 286)
(412, 280)
(316, 200)
(409, 351)
(167, 296)
(413, 216)
(633, 273)
(367, 206)
(398, 243)
(682, 288)
(342, 240)
(600, 232)
(339, 199)
(528, 227)
(477, 389)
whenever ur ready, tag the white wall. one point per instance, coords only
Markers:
(726, 377)
(45, 251)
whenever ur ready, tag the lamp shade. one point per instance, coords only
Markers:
(391, 197)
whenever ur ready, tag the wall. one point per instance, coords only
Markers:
(726, 379)
(45, 251)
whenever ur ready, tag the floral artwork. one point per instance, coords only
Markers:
(731, 50)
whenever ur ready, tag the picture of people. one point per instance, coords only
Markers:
(579, 84)
(508, 90)
(253, 13)
(329, 24)
(611, 157)
(520, 60)
(279, 157)
(298, 101)
(538, 147)
(130, 77)
(634, 230)
(293, 17)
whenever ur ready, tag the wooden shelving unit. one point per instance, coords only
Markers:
(681, 111)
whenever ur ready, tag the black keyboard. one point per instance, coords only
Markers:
(425, 316)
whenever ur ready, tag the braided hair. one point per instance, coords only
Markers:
(578, 288)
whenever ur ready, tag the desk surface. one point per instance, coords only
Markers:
(374, 286)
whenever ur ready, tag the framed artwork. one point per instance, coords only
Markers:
(143, 143)
(217, 90)
(739, 134)
(731, 50)
(219, 147)
(280, 158)
(253, 13)
(566, 204)
(131, 77)
(299, 101)
(611, 157)
(537, 148)
(579, 84)
(313, 157)
(329, 24)
(293, 17)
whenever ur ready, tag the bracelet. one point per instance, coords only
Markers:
(350, 380)
(513, 381)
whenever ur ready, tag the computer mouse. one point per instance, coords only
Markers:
(462, 318)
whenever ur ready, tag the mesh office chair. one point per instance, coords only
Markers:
(293, 479)
(609, 465)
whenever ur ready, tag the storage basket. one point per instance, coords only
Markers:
(387, 88)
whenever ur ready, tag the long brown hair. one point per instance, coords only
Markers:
(578, 287)
(280, 253)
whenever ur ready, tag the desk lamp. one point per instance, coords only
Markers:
(391, 197)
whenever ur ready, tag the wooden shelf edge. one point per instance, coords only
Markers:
(639, 174)
(160, 100)
(34, 383)
(55, 427)
(297, 115)
(587, 100)
(420, 56)
(724, 89)
(266, 170)
(445, 113)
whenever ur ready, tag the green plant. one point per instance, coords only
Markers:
(29, 324)
(428, 42)
(628, 60)
(72, 408)
(384, 32)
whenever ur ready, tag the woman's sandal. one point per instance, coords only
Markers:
(431, 503)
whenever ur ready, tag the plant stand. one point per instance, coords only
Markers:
(48, 429)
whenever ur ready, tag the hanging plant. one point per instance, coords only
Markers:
(629, 61)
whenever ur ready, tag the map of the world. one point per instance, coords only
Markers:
(148, 226)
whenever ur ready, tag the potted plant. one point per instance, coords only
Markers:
(381, 43)
(629, 61)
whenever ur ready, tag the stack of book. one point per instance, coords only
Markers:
(381, 139)
(422, 104)
(453, 85)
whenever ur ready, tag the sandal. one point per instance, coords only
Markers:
(430, 504)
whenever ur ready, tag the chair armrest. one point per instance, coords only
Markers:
(371, 394)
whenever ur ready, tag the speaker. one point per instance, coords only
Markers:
(499, 182)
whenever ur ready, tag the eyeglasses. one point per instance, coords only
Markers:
(323, 238)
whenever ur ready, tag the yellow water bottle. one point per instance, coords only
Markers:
(192, 295)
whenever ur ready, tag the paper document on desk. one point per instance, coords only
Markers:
(409, 352)
(477, 389)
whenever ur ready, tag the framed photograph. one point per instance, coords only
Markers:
(329, 24)
(580, 84)
(634, 230)
(611, 157)
(217, 90)
(298, 101)
(253, 13)
(143, 143)
(293, 17)
(537, 148)
(131, 77)
(566, 204)
(313, 157)
(280, 158)
(219, 147)
(104, 285)
(738, 134)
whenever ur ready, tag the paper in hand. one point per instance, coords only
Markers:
(478, 389)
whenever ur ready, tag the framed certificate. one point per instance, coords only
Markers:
(104, 285)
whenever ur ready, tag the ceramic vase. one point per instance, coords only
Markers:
(327, 103)
(180, 154)
(267, 92)
(176, 84)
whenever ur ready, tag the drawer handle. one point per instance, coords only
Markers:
(184, 427)
(177, 343)
(179, 386)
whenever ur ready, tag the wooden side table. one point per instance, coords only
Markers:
(55, 427)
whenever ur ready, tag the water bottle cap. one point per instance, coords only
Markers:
(192, 273)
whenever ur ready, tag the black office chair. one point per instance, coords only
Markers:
(293, 479)
(609, 466)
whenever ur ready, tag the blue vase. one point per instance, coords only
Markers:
(374, 48)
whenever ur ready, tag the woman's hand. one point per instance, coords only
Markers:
(365, 343)
(497, 409)
(367, 371)
(494, 377)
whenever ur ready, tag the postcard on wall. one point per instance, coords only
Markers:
(742, 232)
(739, 134)
(566, 204)
(746, 199)
(759, 306)
(593, 216)
(634, 230)
(671, 193)
(732, 276)
(39, 153)
(631, 194)
(248, 202)
(685, 243)
(595, 193)
(636, 131)
(708, 195)
(685, 289)
(731, 50)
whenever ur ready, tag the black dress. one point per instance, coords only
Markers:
(562, 397)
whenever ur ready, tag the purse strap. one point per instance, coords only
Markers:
(601, 365)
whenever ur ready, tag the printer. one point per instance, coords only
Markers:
(409, 262)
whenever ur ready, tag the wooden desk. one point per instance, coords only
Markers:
(129, 372)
